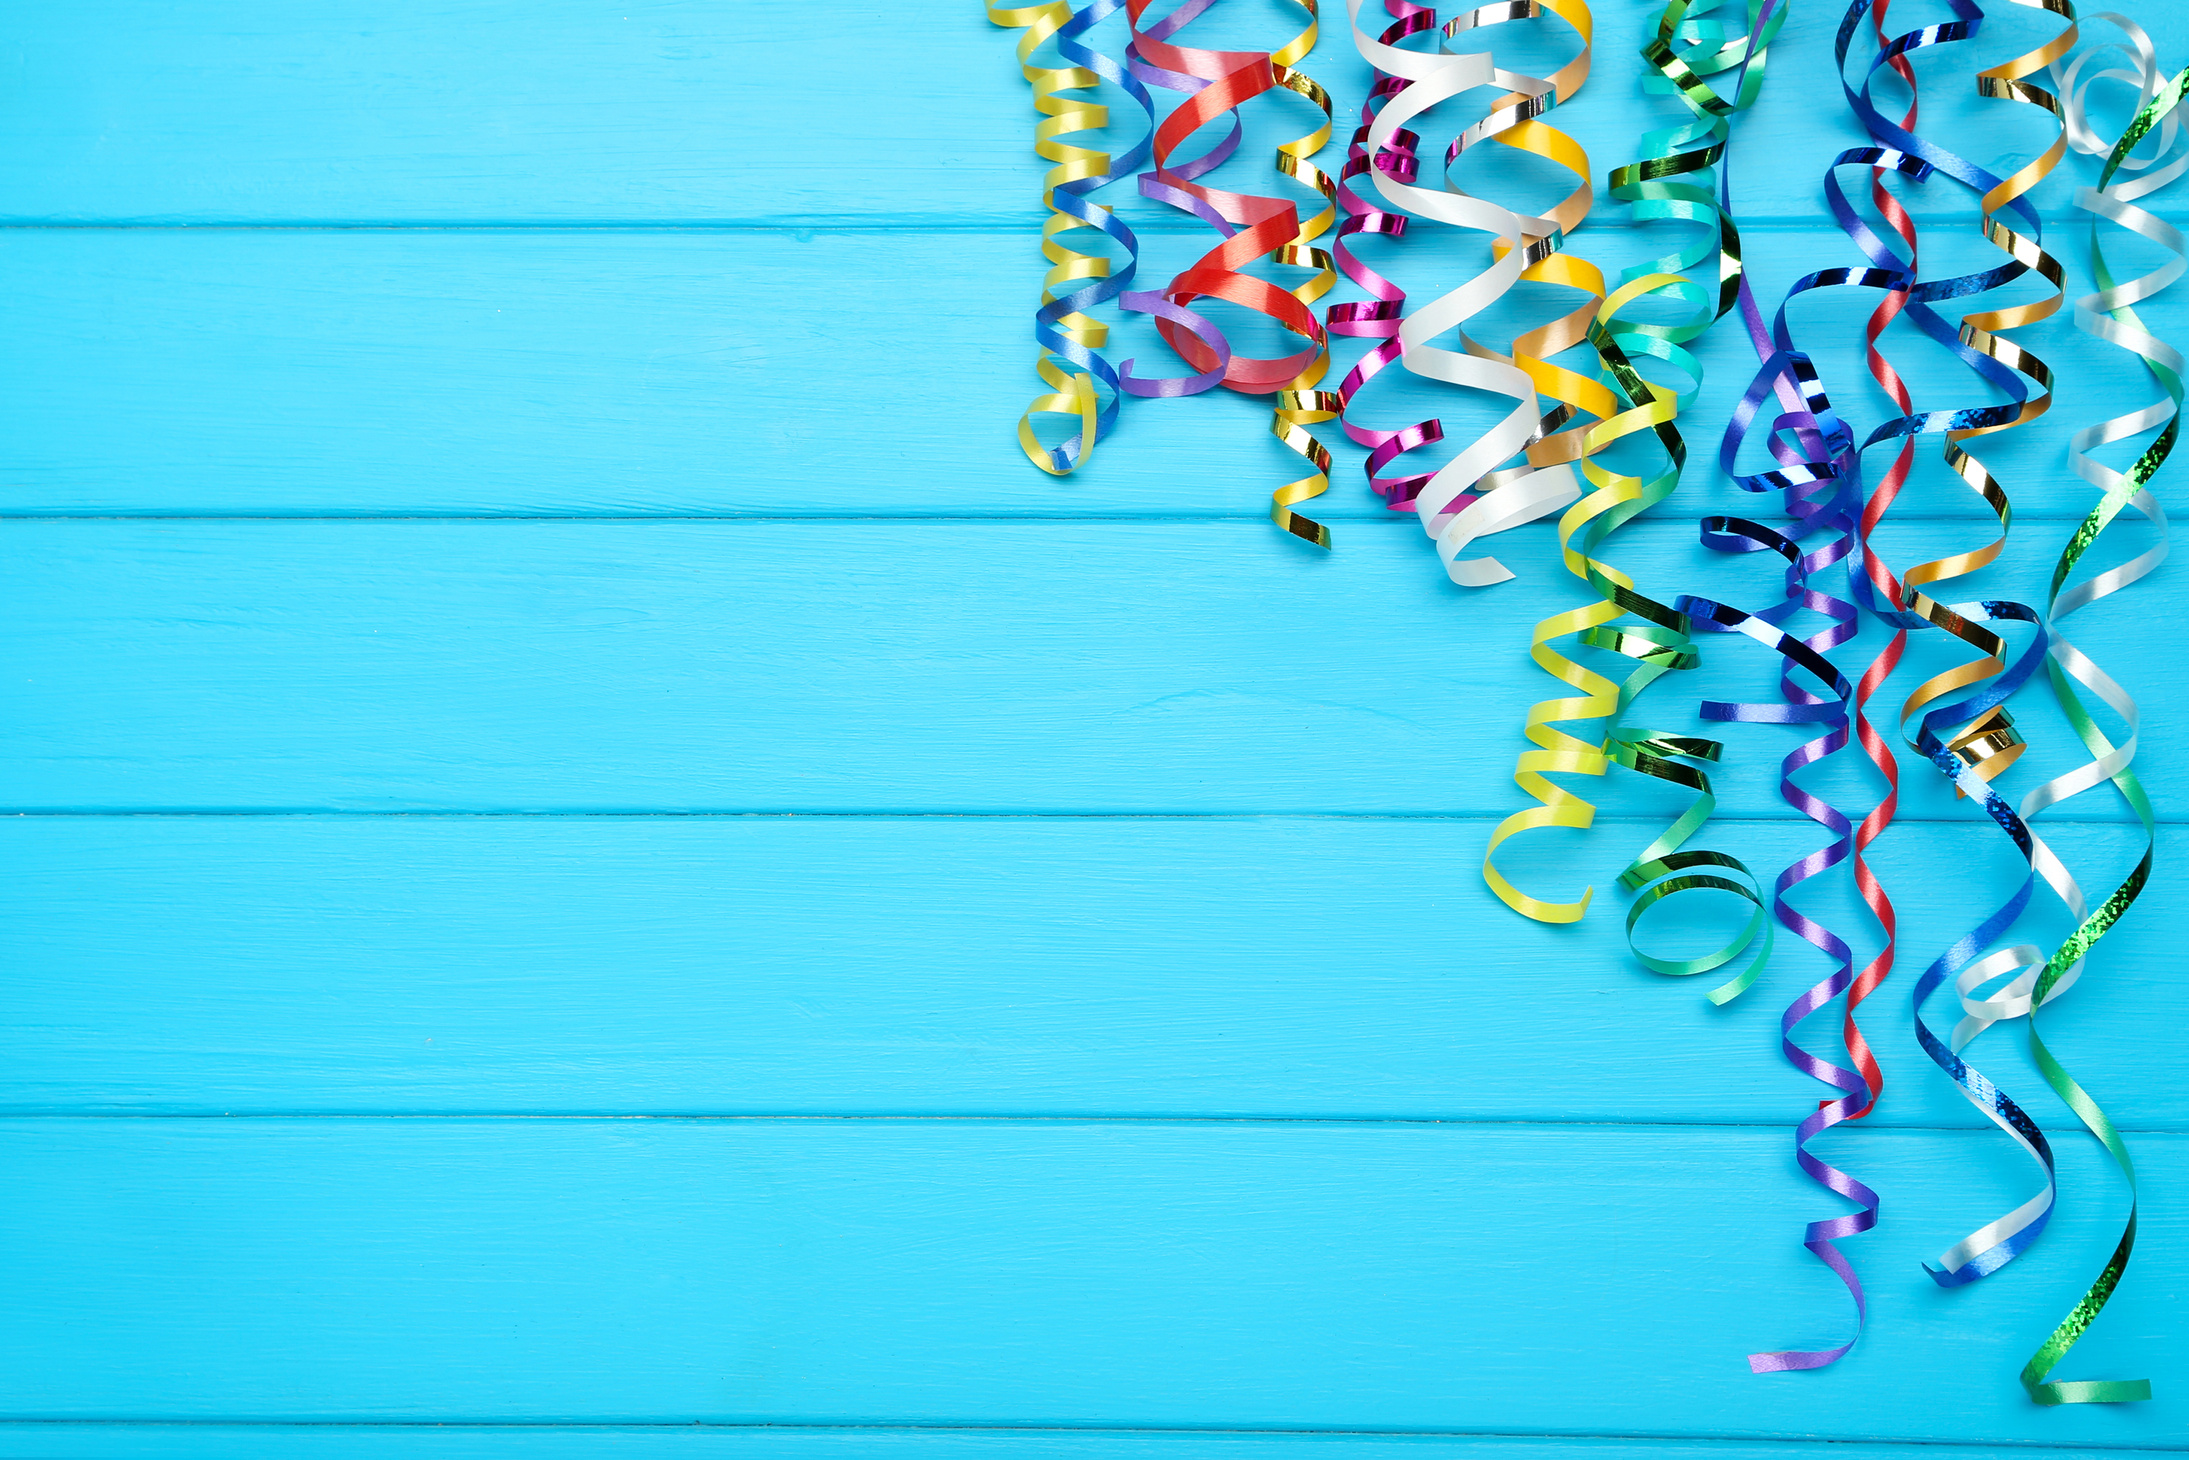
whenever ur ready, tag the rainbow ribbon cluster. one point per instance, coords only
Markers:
(1591, 401)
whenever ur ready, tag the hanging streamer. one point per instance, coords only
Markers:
(1450, 512)
(2108, 314)
(1988, 742)
(1874, 744)
(1299, 405)
(1990, 1247)
(1378, 317)
(1810, 443)
(1082, 385)
(1672, 182)
(1817, 471)
(1217, 84)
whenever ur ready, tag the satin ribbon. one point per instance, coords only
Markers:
(1683, 52)
(1449, 512)
(1082, 385)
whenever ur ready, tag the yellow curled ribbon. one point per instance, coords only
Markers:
(1068, 359)
(1660, 643)
(1299, 405)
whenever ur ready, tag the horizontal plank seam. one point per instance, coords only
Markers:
(990, 1118)
(1003, 515)
(1794, 1444)
(1789, 816)
(837, 223)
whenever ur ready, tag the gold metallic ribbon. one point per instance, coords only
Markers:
(1299, 405)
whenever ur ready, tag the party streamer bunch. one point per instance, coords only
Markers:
(1588, 423)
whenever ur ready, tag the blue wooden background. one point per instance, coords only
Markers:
(599, 868)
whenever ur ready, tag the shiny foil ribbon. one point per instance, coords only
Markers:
(1971, 739)
(1673, 183)
(1379, 316)
(1811, 446)
(1217, 84)
(1816, 473)
(2108, 314)
(1470, 497)
(1082, 385)
(1299, 405)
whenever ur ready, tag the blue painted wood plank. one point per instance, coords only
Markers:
(423, 372)
(777, 1442)
(1513, 1280)
(1325, 968)
(679, 110)
(870, 666)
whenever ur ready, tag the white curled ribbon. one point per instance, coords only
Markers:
(2095, 314)
(1453, 519)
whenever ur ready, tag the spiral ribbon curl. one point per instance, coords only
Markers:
(1682, 53)
(1299, 405)
(1378, 317)
(1810, 443)
(1217, 84)
(1818, 468)
(2109, 314)
(1069, 361)
(1990, 736)
(1988, 742)
(1453, 517)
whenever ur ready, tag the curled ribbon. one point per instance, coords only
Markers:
(1452, 517)
(1683, 51)
(1378, 317)
(1818, 466)
(1069, 361)
(1992, 736)
(2108, 314)
(1810, 444)
(1987, 742)
(1299, 405)
(1217, 84)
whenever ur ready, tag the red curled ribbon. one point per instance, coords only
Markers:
(1255, 227)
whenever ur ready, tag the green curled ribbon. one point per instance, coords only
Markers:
(2109, 315)
(1675, 181)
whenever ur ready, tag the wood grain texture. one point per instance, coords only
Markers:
(871, 666)
(709, 260)
(69, 1441)
(1328, 968)
(421, 372)
(1293, 1276)
(681, 110)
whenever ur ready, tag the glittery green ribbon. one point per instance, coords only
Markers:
(2067, 667)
